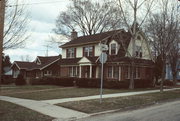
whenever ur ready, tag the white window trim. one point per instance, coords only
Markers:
(88, 50)
(71, 55)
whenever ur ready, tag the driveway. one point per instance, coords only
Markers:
(169, 111)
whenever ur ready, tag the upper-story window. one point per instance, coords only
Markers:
(138, 51)
(113, 49)
(88, 51)
(71, 52)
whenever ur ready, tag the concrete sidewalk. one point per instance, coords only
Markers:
(46, 109)
(56, 101)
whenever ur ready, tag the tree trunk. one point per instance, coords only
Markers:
(174, 79)
(163, 77)
(131, 84)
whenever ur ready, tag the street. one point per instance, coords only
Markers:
(169, 111)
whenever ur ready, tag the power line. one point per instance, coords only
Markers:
(37, 3)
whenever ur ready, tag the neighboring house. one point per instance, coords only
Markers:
(169, 75)
(42, 66)
(80, 56)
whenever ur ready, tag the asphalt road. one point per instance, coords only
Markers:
(169, 111)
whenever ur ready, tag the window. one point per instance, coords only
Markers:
(71, 53)
(88, 51)
(113, 49)
(113, 72)
(127, 72)
(47, 73)
(138, 51)
(116, 72)
(110, 72)
(137, 73)
(73, 71)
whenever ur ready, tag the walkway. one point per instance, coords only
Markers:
(44, 108)
(56, 101)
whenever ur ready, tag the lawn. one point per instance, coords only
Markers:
(60, 92)
(9, 89)
(94, 106)
(12, 112)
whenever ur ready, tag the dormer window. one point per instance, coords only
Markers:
(138, 52)
(71, 53)
(113, 49)
(88, 51)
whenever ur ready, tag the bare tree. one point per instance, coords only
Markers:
(163, 28)
(16, 21)
(88, 17)
(174, 58)
(134, 14)
(26, 58)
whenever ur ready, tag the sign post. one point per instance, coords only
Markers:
(103, 59)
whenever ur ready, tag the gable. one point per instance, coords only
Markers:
(140, 42)
(84, 60)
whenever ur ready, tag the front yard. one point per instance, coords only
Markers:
(94, 106)
(12, 112)
(55, 92)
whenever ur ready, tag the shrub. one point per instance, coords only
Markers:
(53, 81)
(20, 80)
(112, 84)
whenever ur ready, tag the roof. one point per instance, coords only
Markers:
(95, 38)
(44, 62)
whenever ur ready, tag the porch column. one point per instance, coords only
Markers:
(79, 71)
(90, 75)
(119, 73)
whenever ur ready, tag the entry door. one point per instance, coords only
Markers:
(87, 71)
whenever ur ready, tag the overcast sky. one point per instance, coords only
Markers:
(42, 21)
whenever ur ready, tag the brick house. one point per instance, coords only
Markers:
(80, 56)
(42, 66)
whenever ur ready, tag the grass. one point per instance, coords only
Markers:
(7, 89)
(62, 93)
(12, 112)
(94, 106)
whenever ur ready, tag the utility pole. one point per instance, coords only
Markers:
(2, 13)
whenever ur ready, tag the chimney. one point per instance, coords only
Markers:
(73, 34)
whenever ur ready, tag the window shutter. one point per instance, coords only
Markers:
(83, 51)
(66, 53)
(74, 52)
(93, 51)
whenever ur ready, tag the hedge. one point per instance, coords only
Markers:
(20, 80)
(53, 81)
(112, 84)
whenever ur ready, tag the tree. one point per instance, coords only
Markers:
(88, 17)
(16, 25)
(134, 14)
(174, 59)
(163, 28)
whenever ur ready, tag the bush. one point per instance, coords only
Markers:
(53, 81)
(88, 82)
(166, 83)
(112, 84)
(20, 80)
(7, 79)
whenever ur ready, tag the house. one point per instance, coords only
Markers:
(169, 75)
(80, 56)
(42, 66)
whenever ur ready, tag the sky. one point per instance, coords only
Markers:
(42, 20)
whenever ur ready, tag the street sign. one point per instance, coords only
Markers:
(103, 57)
(103, 47)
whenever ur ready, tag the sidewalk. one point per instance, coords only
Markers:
(56, 101)
(44, 108)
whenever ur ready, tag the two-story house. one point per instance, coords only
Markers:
(80, 56)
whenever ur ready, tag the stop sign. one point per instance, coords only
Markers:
(103, 57)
